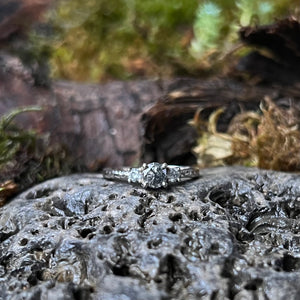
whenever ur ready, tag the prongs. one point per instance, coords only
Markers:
(164, 184)
(144, 166)
(164, 166)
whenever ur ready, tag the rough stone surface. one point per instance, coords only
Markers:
(99, 124)
(232, 234)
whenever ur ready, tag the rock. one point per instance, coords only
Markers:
(98, 124)
(231, 234)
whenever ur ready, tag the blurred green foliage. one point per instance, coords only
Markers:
(27, 157)
(11, 139)
(117, 38)
(217, 23)
(102, 39)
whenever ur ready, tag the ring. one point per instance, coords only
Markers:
(153, 175)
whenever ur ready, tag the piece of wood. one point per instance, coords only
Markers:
(282, 40)
(169, 138)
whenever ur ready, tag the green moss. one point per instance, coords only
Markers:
(11, 138)
(217, 24)
(26, 157)
(207, 28)
(114, 34)
(103, 39)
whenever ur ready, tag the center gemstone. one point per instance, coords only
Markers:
(154, 175)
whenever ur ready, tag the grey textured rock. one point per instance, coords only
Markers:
(232, 234)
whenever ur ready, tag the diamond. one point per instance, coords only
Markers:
(134, 175)
(154, 176)
(174, 175)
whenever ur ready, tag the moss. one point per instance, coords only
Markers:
(269, 139)
(217, 24)
(27, 158)
(278, 138)
(113, 35)
(12, 140)
(99, 40)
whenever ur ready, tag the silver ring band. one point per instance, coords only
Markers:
(153, 175)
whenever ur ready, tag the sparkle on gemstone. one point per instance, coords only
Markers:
(134, 176)
(174, 175)
(154, 175)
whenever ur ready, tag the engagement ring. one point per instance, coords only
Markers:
(153, 175)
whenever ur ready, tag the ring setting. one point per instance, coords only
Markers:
(153, 175)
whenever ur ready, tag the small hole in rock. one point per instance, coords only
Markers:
(37, 248)
(172, 229)
(175, 217)
(104, 208)
(171, 199)
(90, 236)
(254, 284)
(214, 248)
(122, 230)
(193, 215)
(122, 270)
(154, 243)
(112, 196)
(222, 194)
(139, 210)
(158, 280)
(286, 245)
(107, 229)
(23, 242)
(84, 232)
(70, 223)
